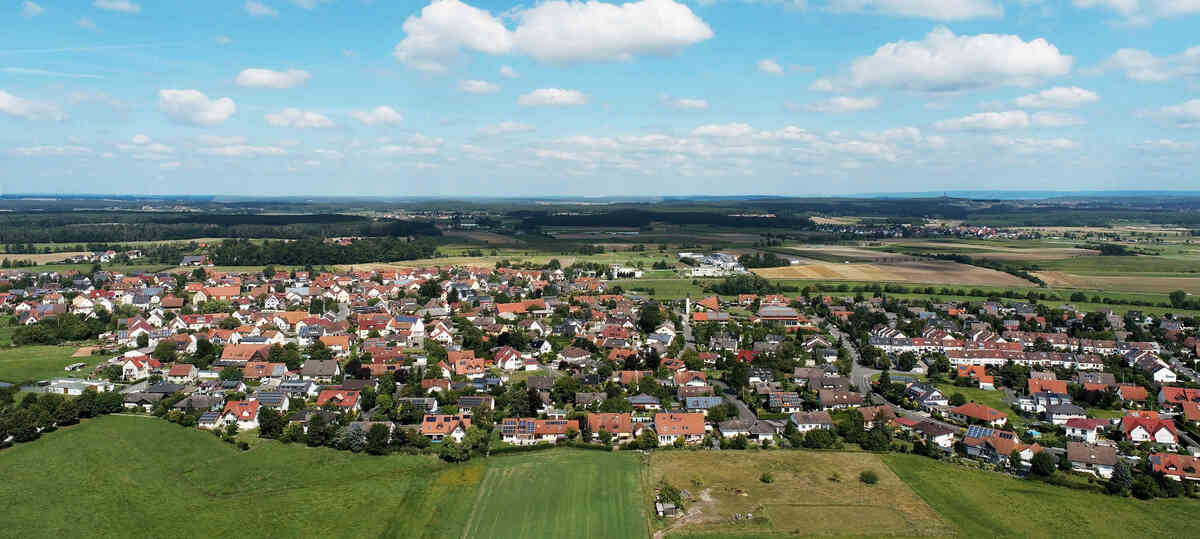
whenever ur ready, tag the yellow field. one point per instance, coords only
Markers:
(999, 252)
(48, 258)
(910, 272)
(1112, 283)
(804, 498)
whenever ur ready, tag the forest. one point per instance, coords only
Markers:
(308, 252)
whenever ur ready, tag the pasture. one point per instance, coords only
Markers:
(804, 498)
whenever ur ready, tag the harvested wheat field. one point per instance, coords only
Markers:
(1117, 283)
(809, 493)
(47, 258)
(998, 252)
(909, 272)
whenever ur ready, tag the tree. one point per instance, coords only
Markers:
(605, 437)
(819, 439)
(957, 399)
(1121, 479)
(318, 431)
(67, 413)
(270, 423)
(351, 439)
(1044, 464)
(143, 340)
(452, 451)
(165, 351)
(112, 373)
(869, 477)
(231, 373)
(647, 440)
(377, 439)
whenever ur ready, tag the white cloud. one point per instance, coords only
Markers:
(327, 153)
(844, 104)
(86, 24)
(39, 151)
(508, 72)
(241, 150)
(684, 103)
(301, 119)
(944, 62)
(216, 140)
(192, 107)
(31, 9)
(418, 144)
(19, 107)
(140, 139)
(767, 65)
(1034, 145)
(504, 128)
(553, 97)
(171, 165)
(310, 4)
(723, 130)
(942, 10)
(381, 115)
(568, 32)
(1143, 66)
(478, 87)
(124, 6)
(259, 9)
(1011, 119)
(555, 31)
(223, 40)
(1058, 98)
(1139, 12)
(1186, 114)
(143, 144)
(267, 78)
(1056, 119)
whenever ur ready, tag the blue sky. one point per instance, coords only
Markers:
(654, 97)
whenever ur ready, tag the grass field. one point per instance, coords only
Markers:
(1119, 283)
(125, 476)
(561, 493)
(802, 500)
(988, 504)
(25, 363)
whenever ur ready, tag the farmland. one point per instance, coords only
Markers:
(31, 363)
(563, 493)
(904, 272)
(803, 499)
(987, 504)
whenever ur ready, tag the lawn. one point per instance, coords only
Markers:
(123, 476)
(26, 363)
(801, 500)
(994, 399)
(560, 493)
(989, 504)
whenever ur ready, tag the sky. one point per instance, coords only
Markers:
(465, 98)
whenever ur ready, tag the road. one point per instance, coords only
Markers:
(744, 412)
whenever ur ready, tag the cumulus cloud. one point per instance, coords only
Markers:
(553, 97)
(941, 10)
(477, 87)
(557, 32)
(417, 144)
(844, 104)
(1058, 98)
(267, 78)
(504, 128)
(508, 72)
(381, 115)
(723, 130)
(301, 119)
(19, 107)
(945, 62)
(145, 148)
(259, 9)
(1143, 66)
(1140, 12)
(31, 9)
(1011, 119)
(192, 107)
(767, 65)
(1186, 114)
(1055, 119)
(683, 103)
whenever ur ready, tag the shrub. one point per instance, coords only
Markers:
(766, 477)
(869, 477)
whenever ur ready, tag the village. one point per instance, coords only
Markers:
(468, 361)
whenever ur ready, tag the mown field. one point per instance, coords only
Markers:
(987, 504)
(135, 476)
(26, 363)
(561, 493)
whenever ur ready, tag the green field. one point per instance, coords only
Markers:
(123, 476)
(562, 493)
(26, 363)
(126, 476)
(1123, 265)
(989, 504)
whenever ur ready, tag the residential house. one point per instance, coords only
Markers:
(322, 371)
(619, 425)
(243, 413)
(528, 431)
(811, 421)
(438, 427)
(1177, 467)
(1087, 430)
(974, 413)
(1140, 427)
(838, 400)
(344, 399)
(182, 373)
(1097, 460)
(686, 426)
